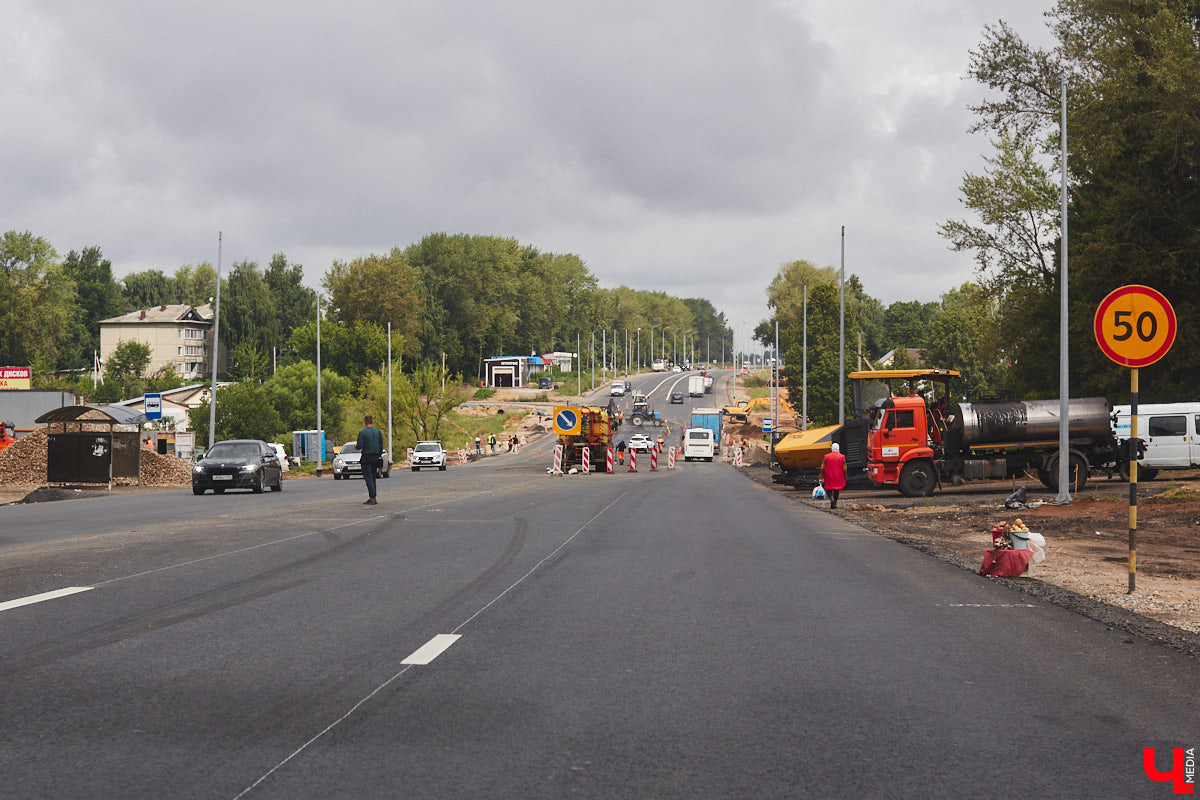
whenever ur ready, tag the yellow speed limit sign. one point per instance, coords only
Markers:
(1135, 326)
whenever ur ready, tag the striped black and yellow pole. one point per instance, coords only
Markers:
(1133, 475)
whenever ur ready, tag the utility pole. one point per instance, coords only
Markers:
(1064, 381)
(320, 431)
(216, 348)
(842, 340)
(389, 447)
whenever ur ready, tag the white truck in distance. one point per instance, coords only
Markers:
(696, 386)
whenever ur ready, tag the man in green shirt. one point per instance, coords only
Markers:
(370, 444)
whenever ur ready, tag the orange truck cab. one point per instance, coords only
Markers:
(900, 444)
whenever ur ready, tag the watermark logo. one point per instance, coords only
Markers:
(1183, 769)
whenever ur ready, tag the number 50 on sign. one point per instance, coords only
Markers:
(1135, 326)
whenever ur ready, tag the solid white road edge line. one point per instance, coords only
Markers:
(39, 598)
(432, 649)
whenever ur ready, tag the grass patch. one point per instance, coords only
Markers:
(459, 430)
(484, 392)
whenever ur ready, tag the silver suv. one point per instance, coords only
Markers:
(428, 454)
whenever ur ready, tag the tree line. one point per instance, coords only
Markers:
(1133, 163)
(452, 301)
(460, 298)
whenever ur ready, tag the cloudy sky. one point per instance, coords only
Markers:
(691, 146)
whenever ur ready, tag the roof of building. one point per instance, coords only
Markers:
(178, 312)
(117, 415)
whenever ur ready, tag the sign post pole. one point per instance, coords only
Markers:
(1135, 327)
(1133, 476)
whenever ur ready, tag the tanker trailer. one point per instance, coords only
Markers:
(915, 449)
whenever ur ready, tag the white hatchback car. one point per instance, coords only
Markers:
(428, 454)
(348, 462)
(640, 441)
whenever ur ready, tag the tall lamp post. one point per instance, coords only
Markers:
(320, 434)
(639, 349)
(216, 349)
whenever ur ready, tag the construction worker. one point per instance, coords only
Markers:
(621, 452)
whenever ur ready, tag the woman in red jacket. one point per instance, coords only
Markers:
(833, 474)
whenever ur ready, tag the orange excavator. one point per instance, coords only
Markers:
(7, 434)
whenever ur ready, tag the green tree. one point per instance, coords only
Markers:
(1017, 204)
(124, 372)
(419, 401)
(146, 289)
(349, 349)
(295, 303)
(1135, 171)
(39, 301)
(195, 286)
(99, 298)
(377, 289)
(823, 337)
(964, 336)
(249, 361)
(292, 391)
(244, 411)
(247, 309)
(907, 323)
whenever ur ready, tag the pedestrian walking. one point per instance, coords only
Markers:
(370, 444)
(833, 474)
(478, 449)
(621, 451)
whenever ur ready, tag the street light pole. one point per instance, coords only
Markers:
(216, 349)
(320, 435)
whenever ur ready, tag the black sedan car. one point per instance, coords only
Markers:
(238, 464)
(676, 397)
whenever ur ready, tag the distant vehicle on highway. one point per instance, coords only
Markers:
(676, 397)
(545, 382)
(658, 365)
(428, 454)
(238, 464)
(617, 389)
(640, 441)
(348, 462)
(677, 368)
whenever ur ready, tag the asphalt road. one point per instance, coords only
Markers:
(669, 634)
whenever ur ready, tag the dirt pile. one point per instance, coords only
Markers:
(24, 463)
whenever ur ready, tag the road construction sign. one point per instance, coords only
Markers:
(567, 420)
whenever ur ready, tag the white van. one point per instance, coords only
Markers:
(698, 443)
(1171, 432)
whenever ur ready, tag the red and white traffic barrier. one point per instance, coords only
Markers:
(737, 457)
(585, 460)
(632, 460)
(608, 461)
(462, 455)
(653, 460)
(671, 458)
(556, 469)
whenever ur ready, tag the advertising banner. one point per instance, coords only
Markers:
(16, 378)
